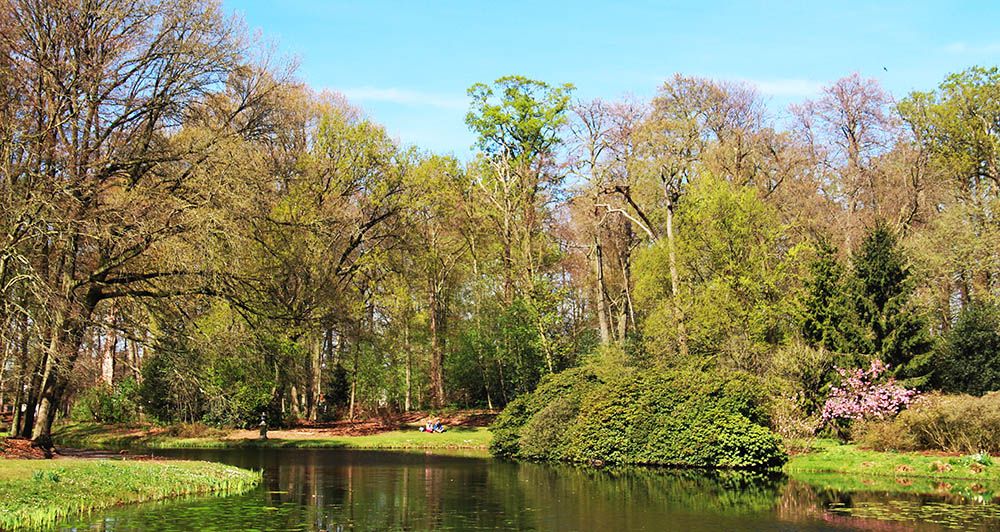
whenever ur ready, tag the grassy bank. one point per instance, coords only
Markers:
(35, 493)
(828, 456)
(93, 436)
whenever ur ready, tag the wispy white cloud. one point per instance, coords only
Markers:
(404, 97)
(973, 49)
(786, 87)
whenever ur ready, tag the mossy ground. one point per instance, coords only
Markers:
(36, 493)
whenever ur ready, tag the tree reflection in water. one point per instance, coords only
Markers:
(362, 490)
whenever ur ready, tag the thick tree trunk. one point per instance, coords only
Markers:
(63, 353)
(29, 401)
(21, 375)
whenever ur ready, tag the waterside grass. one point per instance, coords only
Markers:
(94, 436)
(830, 456)
(37, 493)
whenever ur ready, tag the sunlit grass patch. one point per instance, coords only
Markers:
(36, 493)
(828, 456)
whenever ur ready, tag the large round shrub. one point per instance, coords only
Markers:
(658, 417)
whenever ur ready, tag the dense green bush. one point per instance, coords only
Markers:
(109, 404)
(682, 417)
(953, 423)
(563, 389)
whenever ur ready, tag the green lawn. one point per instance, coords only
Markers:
(93, 436)
(828, 456)
(35, 493)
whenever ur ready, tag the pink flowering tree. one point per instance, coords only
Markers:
(864, 394)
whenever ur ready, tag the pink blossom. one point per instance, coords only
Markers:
(861, 395)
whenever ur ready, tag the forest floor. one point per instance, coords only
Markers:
(35, 493)
(465, 429)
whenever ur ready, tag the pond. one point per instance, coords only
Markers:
(335, 490)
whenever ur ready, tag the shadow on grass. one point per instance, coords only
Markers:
(464, 429)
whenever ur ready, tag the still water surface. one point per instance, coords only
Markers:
(335, 490)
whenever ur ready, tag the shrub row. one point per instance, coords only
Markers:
(952, 423)
(665, 417)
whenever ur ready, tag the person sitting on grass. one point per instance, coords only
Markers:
(432, 426)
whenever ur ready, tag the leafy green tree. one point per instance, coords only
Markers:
(969, 359)
(957, 129)
(517, 121)
(740, 278)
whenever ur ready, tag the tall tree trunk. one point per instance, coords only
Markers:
(134, 359)
(546, 347)
(409, 366)
(22, 376)
(486, 385)
(601, 294)
(354, 383)
(296, 411)
(3, 376)
(437, 351)
(624, 261)
(674, 280)
(622, 317)
(316, 380)
(110, 347)
(15, 422)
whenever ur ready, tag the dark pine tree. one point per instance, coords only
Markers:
(969, 359)
(896, 332)
(829, 319)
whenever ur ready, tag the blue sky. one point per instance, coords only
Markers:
(409, 63)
